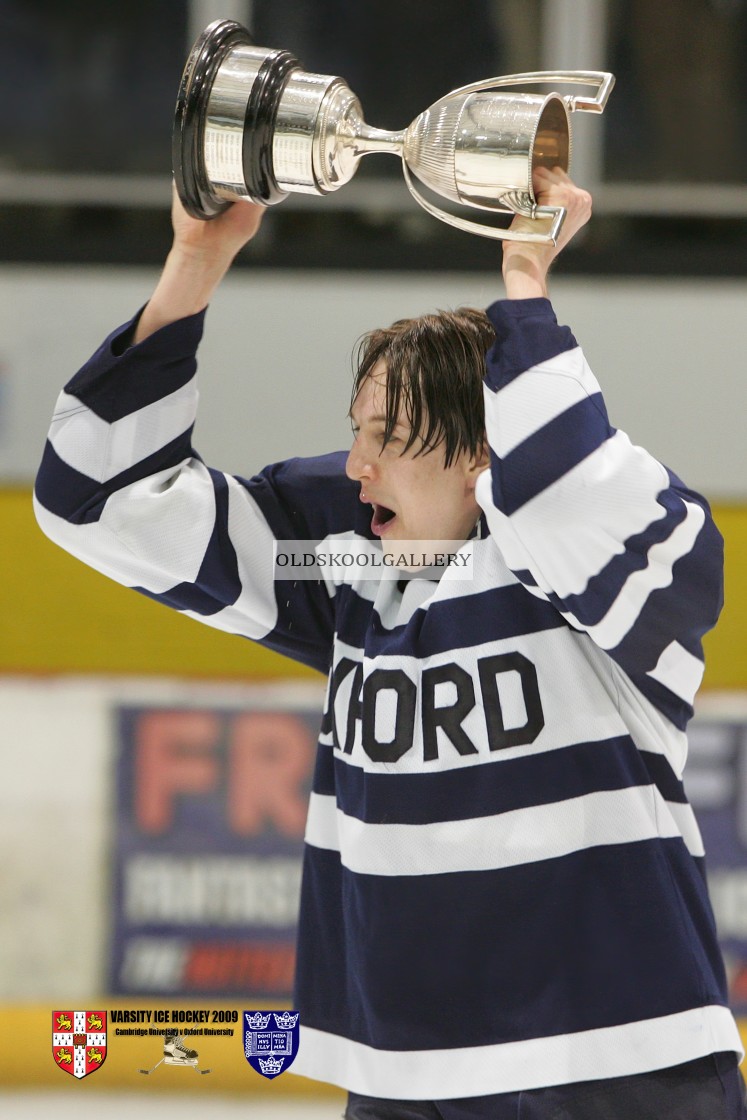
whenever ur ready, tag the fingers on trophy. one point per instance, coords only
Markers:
(252, 124)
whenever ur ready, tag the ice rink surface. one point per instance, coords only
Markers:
(161, 1106)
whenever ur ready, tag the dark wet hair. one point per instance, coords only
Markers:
(435, 368)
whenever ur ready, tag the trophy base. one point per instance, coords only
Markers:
(195, 186)
(187, 148)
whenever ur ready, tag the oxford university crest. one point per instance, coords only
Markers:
(270, 1040)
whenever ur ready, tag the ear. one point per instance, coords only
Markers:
(475, 467)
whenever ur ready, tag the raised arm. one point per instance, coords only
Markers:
(200, 256)
(121, 487)
(526, 264)
(584, 518)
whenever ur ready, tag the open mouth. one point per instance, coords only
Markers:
(382, 519)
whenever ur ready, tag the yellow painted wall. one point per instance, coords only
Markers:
(58, 616)
(726, 646)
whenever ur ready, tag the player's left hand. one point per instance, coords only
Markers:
(552, 187)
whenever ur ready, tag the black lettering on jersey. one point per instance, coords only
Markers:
(450, 718)
(343, 667)
(489, 669)
(389, 680)
(354, 708)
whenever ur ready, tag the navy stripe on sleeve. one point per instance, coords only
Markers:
(683, 611)
(159, 365)
(79, 499)
(526, 334)
(548, 454)
(676, 710)
(592, 604)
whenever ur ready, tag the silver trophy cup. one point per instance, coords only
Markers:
(252, 124)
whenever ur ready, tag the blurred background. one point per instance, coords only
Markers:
(142, 870)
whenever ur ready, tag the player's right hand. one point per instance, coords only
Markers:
(200, 256)
(221, 237)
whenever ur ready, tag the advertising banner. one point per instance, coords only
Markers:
(716, 784)
(211, 809)
(211, 803)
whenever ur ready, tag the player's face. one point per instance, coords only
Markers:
(413, 497)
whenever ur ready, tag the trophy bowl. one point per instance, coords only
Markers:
(251, 124)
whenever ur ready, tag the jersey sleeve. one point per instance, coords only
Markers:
(121, 487)
(589, 521)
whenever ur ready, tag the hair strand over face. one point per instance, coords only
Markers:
(435, 365)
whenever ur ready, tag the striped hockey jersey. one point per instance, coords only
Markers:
(503, 881)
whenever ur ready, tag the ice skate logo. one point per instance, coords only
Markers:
(176, 1052)
(271, 1051)
(79, 1041)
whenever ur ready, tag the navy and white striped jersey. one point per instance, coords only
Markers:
(503, 880)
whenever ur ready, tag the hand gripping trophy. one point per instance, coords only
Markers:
(251, 124)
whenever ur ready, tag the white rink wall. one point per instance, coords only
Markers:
(57, 802)
(276, 359)
(162, 1106)
(57, 814)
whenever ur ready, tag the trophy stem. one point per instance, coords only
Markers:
(369, 139)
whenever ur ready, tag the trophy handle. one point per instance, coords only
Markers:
(600, 78)
(557, 213)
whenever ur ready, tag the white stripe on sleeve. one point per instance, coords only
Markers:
(679, 671)
(166, 520)
(98, 547)
(622, 615)
(531, 401)
(688, 826)
(102, 450)
(570, 531)
(254, 613)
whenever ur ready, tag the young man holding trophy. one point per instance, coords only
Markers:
(504, 911)
(504, 914)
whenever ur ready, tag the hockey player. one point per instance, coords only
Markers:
(504, 912)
